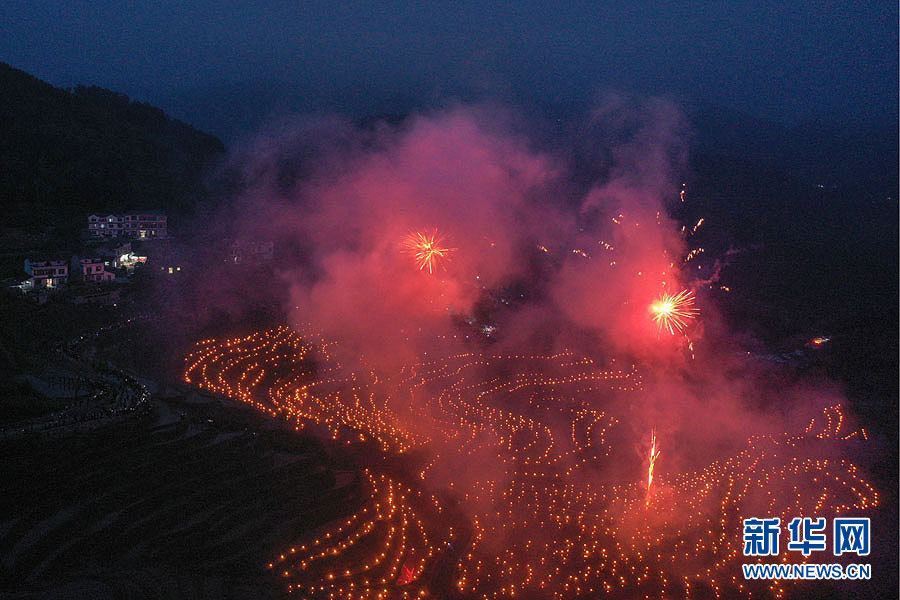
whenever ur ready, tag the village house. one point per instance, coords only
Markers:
(144, 225)
(94, 269)
(45, 274)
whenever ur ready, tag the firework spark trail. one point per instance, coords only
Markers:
(654, 454)
(426, 249)
(672, 312)
(693, 254)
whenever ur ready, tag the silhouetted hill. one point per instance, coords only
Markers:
(67, 153)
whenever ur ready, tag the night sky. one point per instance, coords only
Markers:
(226, 64)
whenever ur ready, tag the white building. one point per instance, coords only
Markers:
(146, 225)
(143, 225)
(45, 274)
(94, 269)
(107, 226)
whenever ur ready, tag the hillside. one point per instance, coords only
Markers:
(67, 153)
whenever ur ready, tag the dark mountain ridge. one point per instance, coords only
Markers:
(67, 153)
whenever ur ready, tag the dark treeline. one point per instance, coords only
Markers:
(67, 153)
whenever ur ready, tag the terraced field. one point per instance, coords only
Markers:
(186, 502)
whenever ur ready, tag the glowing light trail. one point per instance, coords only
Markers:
(654, 454)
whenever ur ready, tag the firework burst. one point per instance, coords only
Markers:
(672, 312)
(426, 249)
